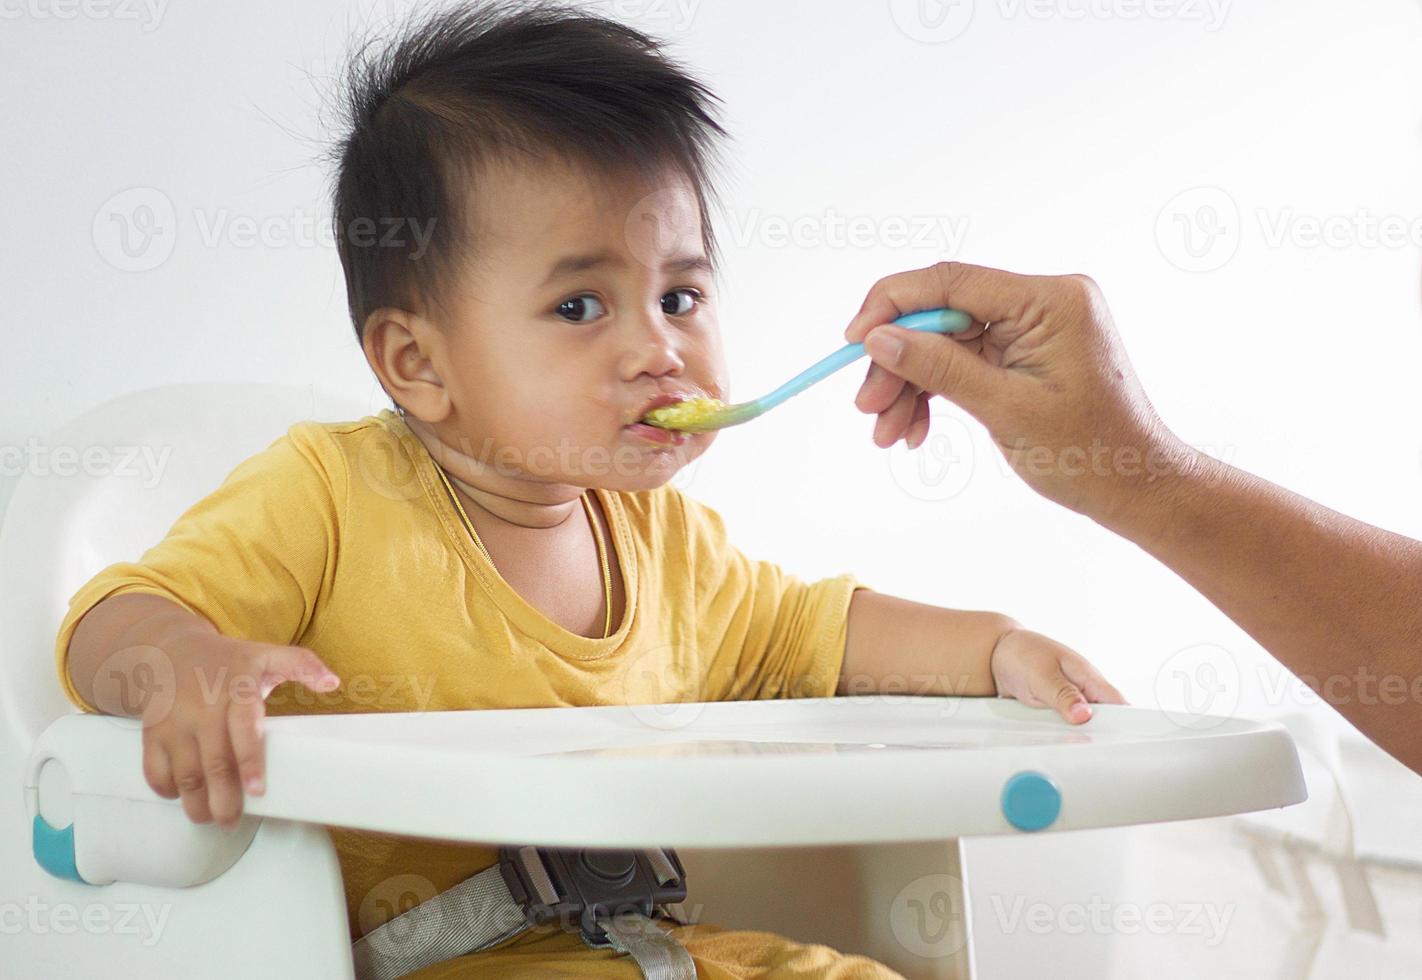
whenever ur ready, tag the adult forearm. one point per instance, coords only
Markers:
(1332, 598)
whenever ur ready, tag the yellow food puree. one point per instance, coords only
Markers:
(689, 412)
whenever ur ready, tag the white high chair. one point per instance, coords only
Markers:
(852, 839)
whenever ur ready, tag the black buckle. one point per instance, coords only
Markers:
(579, 886)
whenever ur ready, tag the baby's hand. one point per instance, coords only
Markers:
(209, 736)
(1041, 672)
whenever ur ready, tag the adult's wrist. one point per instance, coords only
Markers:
(1142, 500)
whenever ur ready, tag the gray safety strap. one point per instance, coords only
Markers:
(478, 913)
(475, 914)
(655, 950)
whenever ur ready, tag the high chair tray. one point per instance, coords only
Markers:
(843, 770)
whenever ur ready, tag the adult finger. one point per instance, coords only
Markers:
(879, 390)
(937, 364)
(894, 420)
(984, 293)
(918, 428)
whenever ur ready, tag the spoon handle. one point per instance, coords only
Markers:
(941, 320)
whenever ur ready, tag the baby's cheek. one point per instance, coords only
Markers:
(704, 362)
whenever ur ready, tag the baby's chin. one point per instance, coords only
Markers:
(653, 467)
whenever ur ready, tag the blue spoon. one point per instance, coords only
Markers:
(707, 414)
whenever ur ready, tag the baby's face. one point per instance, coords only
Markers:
(586, 303)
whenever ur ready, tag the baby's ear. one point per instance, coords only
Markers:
(397, 346)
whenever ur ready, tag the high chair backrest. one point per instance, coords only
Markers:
(106, 487)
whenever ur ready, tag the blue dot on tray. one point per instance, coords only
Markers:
(1031, 801)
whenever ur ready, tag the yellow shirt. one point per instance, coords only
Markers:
(340, 537)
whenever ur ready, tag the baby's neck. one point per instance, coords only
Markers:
(536, 537)
(514, 511)
(510, 503)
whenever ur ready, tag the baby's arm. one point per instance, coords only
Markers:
(895, 646)
(201, 696)
(193, 637)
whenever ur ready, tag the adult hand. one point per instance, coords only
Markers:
(1042, 368)
(1333, 598)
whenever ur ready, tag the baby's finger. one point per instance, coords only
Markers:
(158, 768)
(278, 664)
(224, 796)
(188, 775)
(1058, 690)
(1089, 679)
(244, 727)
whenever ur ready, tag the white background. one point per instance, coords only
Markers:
(1072, 136)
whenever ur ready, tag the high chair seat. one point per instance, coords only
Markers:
(751, 794)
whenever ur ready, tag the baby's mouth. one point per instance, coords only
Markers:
(673, 410)
(657, 403)
(684, 415)
(659, 436)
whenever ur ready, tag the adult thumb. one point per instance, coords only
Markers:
(936, 363)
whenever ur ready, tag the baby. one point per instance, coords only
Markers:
(521, 209)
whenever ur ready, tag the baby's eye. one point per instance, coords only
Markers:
(581, 309)
(679, 301)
